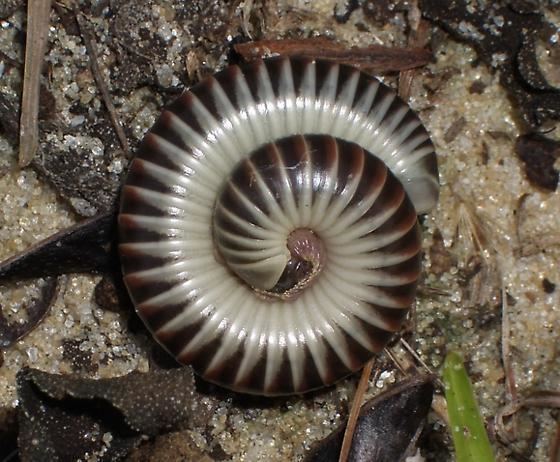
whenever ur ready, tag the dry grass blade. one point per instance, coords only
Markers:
(506, 353)
(355, 412)
(38, 15)
(89, 42)
(415, 355)
(555, 446)
(373, 59)
(539, 398)
(418, 38)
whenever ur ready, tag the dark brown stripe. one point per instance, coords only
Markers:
(351, 164)
(409, 269)
(243, 178)
(403, 295)
(322, 70)
(392, 111)
(274, 68)
(253, 82)
(394, 317)
(391, 196)
(345, 74)
(205, 93)
(255, 380)
(133, 204)
(336, 369)
(379, 337)
(226, 79)
(403, 220)
(205, 354)
(324, 155)
(130, 232)
(183, 108)
(373, 177)
(299, 67)
(358, 353)
(364, 83)
(157, 316)
(283, 383)
(408, 244)
(142, 290)
(131, 261)
(175, 341)
(140, 175)
(151, 150)
(311, 377)
(382, 92)
(225, 371)
(163, 129)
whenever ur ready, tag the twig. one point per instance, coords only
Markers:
(506, 353)
(439, 406)
(89, 42)
(355, 412)
(418, 38)
(35, 309)
(511, 387)
(374, 59)
(38, 14)
(555, 446)
(398, 364)
(11, 61)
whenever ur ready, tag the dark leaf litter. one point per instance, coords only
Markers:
(89, 181)
(504, 34)
(539, 154)
(64, 417)
(387, 428)
(67, 418)
(36, 309)
(85, 247)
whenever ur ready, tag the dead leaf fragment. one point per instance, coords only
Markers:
(65, 418)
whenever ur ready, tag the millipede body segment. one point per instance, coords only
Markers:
(268, 224)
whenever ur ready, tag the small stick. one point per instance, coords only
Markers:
(89, 42)
(38, 16)
(374, 58)
(355, 411)
(555, 445)
(418, 38)
(403, 368)
(506, 353)
(11, 61)
(415, 355)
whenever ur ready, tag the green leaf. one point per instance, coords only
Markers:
(467, 427)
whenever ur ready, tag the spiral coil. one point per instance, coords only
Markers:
(268, 223)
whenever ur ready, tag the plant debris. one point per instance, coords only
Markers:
(355, 411)
(67, 418)
(9, 116)
(375, 59)
(343, 9)
(35, 311)
(173, 447)
(196, 26)
(539, 154)
(504, 34)
(387, 428)
(454, 129)
(8, 7)
(89, 41)
(84, 247)
(38, 18)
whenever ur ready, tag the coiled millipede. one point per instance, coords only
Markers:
(268, 224)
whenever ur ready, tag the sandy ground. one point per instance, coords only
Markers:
(489, 217)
